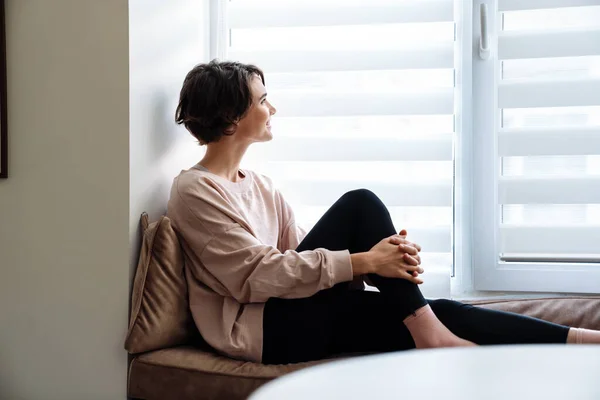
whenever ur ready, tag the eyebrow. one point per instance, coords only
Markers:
(262, 97)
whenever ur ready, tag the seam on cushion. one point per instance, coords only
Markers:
(183, 277)
(129, 373)
(212, 372)
(484, 301)
(138, 305)
(180, 248)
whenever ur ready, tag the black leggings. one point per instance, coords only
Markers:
(340, 320)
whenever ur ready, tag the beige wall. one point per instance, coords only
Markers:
(69, 211)
(64, 209)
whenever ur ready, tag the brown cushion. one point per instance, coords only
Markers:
(183, 373)
(197, 373)
(579, 312)
(160, 315)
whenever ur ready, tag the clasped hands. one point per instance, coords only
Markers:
(401, 260)
(391, 257)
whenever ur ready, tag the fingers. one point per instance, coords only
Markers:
(399, 239)
(414, 268)
(409, 259)
(411, 278)
(396, 239)
(403, 233)
(410, 264)
(407, 248)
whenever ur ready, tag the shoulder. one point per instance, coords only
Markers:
(195, 185)
(192, 180)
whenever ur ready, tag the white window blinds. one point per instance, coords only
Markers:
(365, 97)
(547, 125)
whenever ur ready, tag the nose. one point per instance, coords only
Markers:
(272, 110)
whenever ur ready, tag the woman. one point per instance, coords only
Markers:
(262, 290)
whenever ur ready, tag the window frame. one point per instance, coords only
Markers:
(489, 273)
(462, 277)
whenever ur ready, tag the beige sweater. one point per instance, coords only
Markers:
(238, 240)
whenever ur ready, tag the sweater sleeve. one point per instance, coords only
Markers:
(293, 234)
(226, 256)
(253, 272)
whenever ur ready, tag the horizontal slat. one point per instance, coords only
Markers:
(549, 191)
(368, 60)
(565, 43)
(564, 93)
(325, 193)
(432, 239)
(514, 5)
(551, 258)
(550, 239)
(276, 16)
(549, 142)
(430, 148)
(307, 104)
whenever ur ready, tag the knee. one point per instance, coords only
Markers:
(362, 196)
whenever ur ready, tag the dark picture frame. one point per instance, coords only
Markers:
(3, 123)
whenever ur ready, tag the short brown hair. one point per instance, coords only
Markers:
(214, 97)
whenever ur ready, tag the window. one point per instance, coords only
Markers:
(365, 98)
(537, 194)
(498, 157)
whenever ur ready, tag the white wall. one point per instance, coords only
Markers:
(166, 40)
(64, 209)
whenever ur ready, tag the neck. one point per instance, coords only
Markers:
(223, 158)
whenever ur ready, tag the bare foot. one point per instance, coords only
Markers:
(583, 336)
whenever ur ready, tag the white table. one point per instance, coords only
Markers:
(529, 372)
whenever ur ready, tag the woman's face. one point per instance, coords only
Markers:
(255, 126)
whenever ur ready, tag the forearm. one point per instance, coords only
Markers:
(361, 264)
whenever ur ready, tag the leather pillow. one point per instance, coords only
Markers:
(160, 315)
